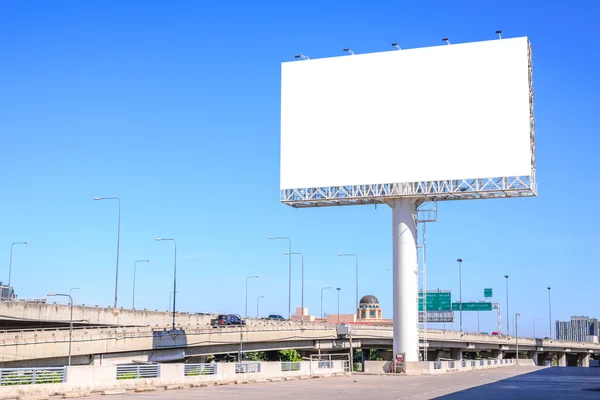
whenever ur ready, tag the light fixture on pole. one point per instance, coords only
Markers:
(338, 313)
(325, 288)
(507, 314)
(118, 241)
(10, 262)
(289, 273)
(459, 289)
(246, 308)
(356, 279)
(396, 46)
(517, 315)
(134, 268)
(174, 276)
(446, 40)
(170, 300)
(499, 33)
(549, 312)
(302, 294)
(257, 304)
(71, 317)
(349, 51)
(302, 56)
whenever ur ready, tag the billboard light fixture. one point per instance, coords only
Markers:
(349, 51)
(499, 33)
(302, 56)
(396, 46)
(446, 40)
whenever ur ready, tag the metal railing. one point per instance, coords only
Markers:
(325, 364)
(463, 363)
(138, 371)
(199, 369)
(290, 366)
(31, 376)
(437, 365)
(247, 368)
(473, 362)
(481, 363)
(451, 364)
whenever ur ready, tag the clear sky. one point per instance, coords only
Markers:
(174, 107)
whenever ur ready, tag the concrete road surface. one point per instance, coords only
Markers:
(512, 383)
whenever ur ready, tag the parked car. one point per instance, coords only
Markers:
(227, 319)
(275, 316)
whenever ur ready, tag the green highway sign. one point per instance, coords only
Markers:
(487, 293)
(479, 306)
(436, 301)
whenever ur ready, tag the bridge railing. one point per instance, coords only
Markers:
(31, 376)
(200, 369)
(291, 366)
(247, 368)
(138, 371)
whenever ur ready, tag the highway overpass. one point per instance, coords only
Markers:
(103, 345)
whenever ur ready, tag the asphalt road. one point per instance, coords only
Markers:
(511, 383)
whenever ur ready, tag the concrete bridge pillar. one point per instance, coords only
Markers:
(456, 354)
(499, 354)
(562, 358)
(584, 359)
(533, 355)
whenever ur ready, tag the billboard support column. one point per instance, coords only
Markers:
(406, 323)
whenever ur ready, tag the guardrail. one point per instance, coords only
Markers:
(138, 371)
(31, 376)
(290, 366)
(247, 368)
(200, 369)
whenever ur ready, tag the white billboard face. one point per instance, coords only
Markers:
(429, 114)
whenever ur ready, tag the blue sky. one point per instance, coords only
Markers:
(174, 107)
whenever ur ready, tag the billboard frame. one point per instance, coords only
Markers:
(438, 190)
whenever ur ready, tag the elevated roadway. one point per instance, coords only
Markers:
(127, 344)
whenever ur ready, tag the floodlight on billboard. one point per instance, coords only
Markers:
(439, 123)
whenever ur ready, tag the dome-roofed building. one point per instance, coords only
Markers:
(369, 308)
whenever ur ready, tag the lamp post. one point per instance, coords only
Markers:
(328, 287)
(459, 289)
(246, 308)
(549, 312)
(257, 303)
(118, 240)
(290, 271)
(338, 290)
(71, 317)
(507, 314)
(535, 319)
(134, 268)
(174, 276)
(517, 315)
(356, 260)
(170, 302)
(10, 262)
(302, 294)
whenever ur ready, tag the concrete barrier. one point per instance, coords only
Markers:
(442, 367)
(83, 380)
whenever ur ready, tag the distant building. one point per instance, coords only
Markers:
(6, 292)
(578, 329)
(369, 309)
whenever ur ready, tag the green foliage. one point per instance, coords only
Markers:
(290, 355)
(42, 377)
(373, 356)
(127, 375)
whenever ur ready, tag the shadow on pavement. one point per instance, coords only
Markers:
(547, 383)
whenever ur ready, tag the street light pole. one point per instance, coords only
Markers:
(290, 272)
(174, 276)
(134, 268)
(356, 260)
(328, 287)
(535, 319)
(507, 314)
(459, 289)
(257, 303)
(118, 240)
(10, 262)
(302, 295)
(517, 315)
(170, 302)
(338, 290)
(71, 318)
(246, 308)
(549, 312)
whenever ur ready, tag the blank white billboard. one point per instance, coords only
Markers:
(438, 113)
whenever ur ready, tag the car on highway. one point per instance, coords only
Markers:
(276, 317)
(227, 320)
